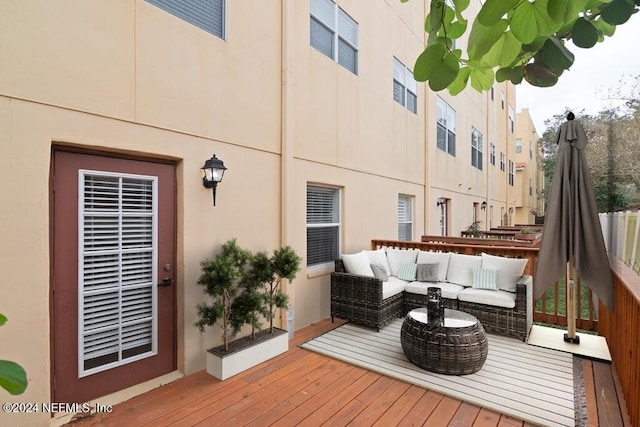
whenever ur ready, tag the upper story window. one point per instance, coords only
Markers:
(334, 33)
(323, 224)
(530, 150)
(502, 162)
(492, 154)
(405, 217)
(446, 123)
(511, 173)
(492, 95)
(511, 119)
(476, 148)
(405, 91)
(502, 99)
(518, 145)
(208, 15)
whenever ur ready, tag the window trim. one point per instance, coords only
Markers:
(443, 122)
(403, 76)
(511, 173)
(409, 203)
(477, 150)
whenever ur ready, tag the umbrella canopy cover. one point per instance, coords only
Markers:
(571, 224)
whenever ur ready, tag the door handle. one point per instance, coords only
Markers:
(166, 282)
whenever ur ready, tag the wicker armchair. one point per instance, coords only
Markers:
(359, 299)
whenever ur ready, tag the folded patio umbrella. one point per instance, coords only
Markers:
(572, 236)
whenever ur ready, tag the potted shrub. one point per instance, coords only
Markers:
(473, 230)
(244, 289)
(526, 233)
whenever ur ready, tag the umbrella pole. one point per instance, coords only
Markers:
(571, 336)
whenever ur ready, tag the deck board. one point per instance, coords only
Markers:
(305, 388)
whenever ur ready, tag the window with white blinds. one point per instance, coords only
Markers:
(404, 86)
(323, 224)
(405, 218)
(116, 269)
(208, 15)
(334, 33)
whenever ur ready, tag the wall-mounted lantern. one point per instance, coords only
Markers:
(483, 205)
(441, 201)
(213, 172)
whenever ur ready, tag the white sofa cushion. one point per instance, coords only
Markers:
(442, 258)
(392, 287)
(510, 270)
(485, 296)
(379, 257)
(449, 290)
(461, 267)
(397, 257)
(357, 264)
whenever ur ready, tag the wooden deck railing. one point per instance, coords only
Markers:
(622, 331)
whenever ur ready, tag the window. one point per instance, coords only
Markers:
(476, 148)
(404, 87)
(334, 33)
(518, 145)
(492, 154)
(446, 138)
(323, 224)
(444, 213)
(530, 187)
(405, 218)
(208, 15)
(511, 120)
(502, 99)
(502, 162)
(530, 150)
(492, 95)
(117, 229)
(511, 174)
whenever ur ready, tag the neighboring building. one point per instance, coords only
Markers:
(108, 110)
(529, 175)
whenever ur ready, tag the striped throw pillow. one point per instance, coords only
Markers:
(485, 278)
(408, 271)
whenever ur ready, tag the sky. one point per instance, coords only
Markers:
(593, 74)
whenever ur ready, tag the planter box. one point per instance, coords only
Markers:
(245, 353)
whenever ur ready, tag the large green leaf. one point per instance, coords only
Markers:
(482, 38)
(555, 56)
(444, 73)
(456, 29)
(492, 11)
(460, 83)
(461, 5)
(513, 74)
(3, 319)
(618, 11)
(604, 27)
(584, 33)
(531, 20)
(538, 75)
(565, 12)
(435, 16)
(482, 79)
(504, 51)
(427, 61)
(12, 377)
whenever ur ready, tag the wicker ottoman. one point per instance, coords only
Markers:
(458, 346)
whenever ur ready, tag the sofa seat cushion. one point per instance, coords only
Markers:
(488, 297)
(392, 287)
(449, 290)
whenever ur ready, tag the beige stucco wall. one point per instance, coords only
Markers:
(124, 76)
(526, 202)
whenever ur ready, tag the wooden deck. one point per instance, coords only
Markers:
(304, 388)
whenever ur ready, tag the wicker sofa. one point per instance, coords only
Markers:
(374, 302)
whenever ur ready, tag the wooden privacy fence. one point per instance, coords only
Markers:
(621, 232)
(622, 331)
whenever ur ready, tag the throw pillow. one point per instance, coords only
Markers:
(396, 257)
(485, 278)
(427, 272)
(442, 258)
(510, 270)
(407, 272)
(357, 264)
(379, 272)
(379, 257)
(461, 268)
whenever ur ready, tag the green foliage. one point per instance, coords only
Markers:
(220, 277)
(512, 40)
(474, 229)
(266, 273)
(13, 377)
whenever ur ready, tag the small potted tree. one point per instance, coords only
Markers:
(526, 233)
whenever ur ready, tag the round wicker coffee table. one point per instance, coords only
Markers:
(458, 346)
